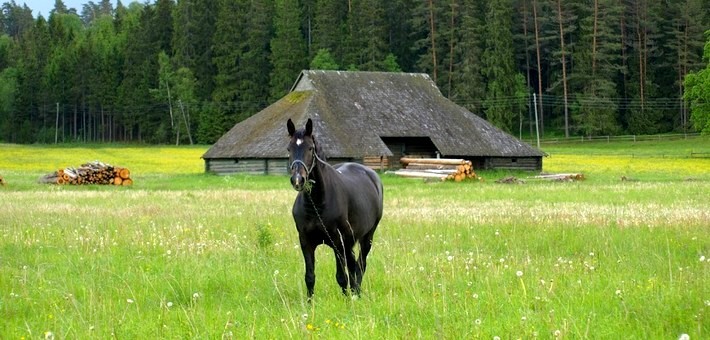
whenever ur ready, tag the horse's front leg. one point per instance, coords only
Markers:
(309, 259)
(340, 273)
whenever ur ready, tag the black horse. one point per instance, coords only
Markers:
(336, 205)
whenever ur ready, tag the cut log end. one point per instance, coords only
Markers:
(89, 173)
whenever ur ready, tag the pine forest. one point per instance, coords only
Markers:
(185, 71)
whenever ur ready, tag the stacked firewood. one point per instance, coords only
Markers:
(560, 177)
(437, 168)
(90, 173)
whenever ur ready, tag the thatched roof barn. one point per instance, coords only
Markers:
(369, 117)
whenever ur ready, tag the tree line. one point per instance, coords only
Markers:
(186, 71)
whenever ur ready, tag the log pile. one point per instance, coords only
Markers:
(90, 173)
(560, 177)
(510, 180)
(437, 168)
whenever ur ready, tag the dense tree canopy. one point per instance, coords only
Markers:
(185, 71)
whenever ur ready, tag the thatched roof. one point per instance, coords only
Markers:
(352, 110)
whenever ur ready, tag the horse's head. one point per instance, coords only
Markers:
(301, 154)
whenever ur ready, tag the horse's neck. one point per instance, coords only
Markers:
(322, 177)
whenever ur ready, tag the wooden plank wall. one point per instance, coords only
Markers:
(518, 163)
(253, 166)
(377, 163)
(279, 166)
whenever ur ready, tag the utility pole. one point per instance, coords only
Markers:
(537, 129)
(56, 126)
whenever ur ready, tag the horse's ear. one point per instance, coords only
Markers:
(309, 127)
(291, 128)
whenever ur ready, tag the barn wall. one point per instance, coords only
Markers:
(255, 166)
(279, 166)
(514, 163)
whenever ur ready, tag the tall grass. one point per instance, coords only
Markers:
(186, 255)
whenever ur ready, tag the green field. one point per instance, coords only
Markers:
(181, 254)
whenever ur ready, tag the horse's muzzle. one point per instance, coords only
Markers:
(297, 181)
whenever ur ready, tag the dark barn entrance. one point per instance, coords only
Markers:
(409, 147)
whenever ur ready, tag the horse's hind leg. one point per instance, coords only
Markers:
(365, 246)
(348, 271)
(340, 274)
(355, 277)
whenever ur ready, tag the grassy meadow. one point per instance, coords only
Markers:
(182, 254)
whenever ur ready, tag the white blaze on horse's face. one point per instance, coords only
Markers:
(299, 141)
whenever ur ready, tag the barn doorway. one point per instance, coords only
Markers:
(409, 147)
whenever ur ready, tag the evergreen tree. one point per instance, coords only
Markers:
(33, 106)
(597, 66)
(142, 118)
(16, 19)
(468, 87)
(498, 65)
(59, 8)
(425, 22)
(329, 29)
(194, 30)
(8, 90)
(65, 30)
(288, 47)
(642, 116)
(241, 54)
(680, 51)
(228, 50)
(400, 33)
(366, 45)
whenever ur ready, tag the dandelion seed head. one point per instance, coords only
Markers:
(195, 296)
(684, 337)
(478, 321)
(169, 304)
(450, 258)
(129, 300)
(519, 273)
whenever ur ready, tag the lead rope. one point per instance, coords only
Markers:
(325, 229)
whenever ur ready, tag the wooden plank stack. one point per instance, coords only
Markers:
(90, 173)
(560, 177)
(437, 168)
